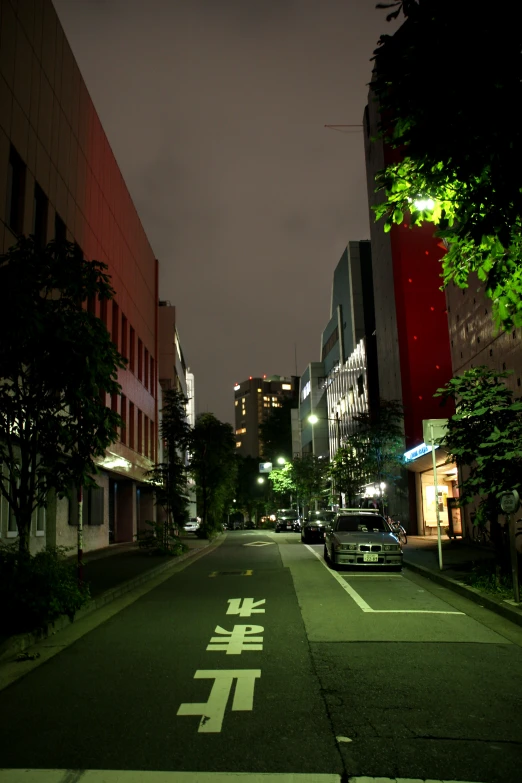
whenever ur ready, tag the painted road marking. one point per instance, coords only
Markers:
(244, 607)
(147, 776)
(260, 543)
(239, 638)
(362, 604)
(248, 572)
(213, 711)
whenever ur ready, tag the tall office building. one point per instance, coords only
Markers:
(254, 399)
(59, 179)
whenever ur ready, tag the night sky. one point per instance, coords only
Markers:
(215, 111)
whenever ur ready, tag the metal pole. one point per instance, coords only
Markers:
(439, 541)
(514, 556)
(80, 534)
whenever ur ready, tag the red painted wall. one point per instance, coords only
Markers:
(422, 325)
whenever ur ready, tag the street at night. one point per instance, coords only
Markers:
(257, 658)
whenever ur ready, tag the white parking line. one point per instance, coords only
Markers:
(361, 603)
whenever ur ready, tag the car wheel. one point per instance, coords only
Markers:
(333, 563)
(303, 538)
(325, 553)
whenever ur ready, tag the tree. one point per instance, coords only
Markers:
(170, 476)
(347, 469)
(283, 480)
(249, 493)
(308, 475)
(213, 465)
(459, 172)
(276, 431)
(485, 436)
(56, 359)
(379, 443)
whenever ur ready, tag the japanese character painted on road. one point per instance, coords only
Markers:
(244, 607)
(212, 712)
(239, 638)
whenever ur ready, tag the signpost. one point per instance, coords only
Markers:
(510, 503)
(433, 432)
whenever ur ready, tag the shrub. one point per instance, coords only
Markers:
(36, 589)
(161, 538)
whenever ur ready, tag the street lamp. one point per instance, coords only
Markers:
(260, 480)
(281, 461)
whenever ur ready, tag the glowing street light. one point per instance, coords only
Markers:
(260, 480)
(281, 461)
(313, 419)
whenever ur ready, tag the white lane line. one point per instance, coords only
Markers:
(361, 603)
(153, 776)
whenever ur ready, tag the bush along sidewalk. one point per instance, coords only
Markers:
(161, 538)
(487, 578)
(35, 590)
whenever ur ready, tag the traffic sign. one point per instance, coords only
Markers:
(510, 502)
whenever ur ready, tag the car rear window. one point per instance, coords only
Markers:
(363, 523)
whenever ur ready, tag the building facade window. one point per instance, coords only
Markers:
(152, 378)
(140, 432)
(238, 444)
(146, 368)
(123, 414)
(16, 174)
(140, 360)
(131, 440)
(146, 434)
(124, 330)
(40, 210)
(60, 233)
(40, 521)
(115, 324)
(152, 442)
(132, 349)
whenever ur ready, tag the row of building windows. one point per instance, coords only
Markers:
(140, 438)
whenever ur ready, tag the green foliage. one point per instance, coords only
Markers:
(283, 480)
(55, 360)
(485, 434)
(214, 468)
(170, 476)
(37, 589)
(160, 539)
(485, 576)
(470, 168)
(347, 470)
(379, 442)
(276, 432)
(308, 475)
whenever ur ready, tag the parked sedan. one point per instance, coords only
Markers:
(360, 538)
(287, 519)
(191, 526)
(315, 525)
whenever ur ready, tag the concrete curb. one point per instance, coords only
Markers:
(17, 644)
(497, 605)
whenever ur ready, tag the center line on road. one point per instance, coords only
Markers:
(361, 603)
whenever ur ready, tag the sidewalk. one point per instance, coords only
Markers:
(458, 558)
(110, 573)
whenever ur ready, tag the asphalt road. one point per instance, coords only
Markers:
(257, 658)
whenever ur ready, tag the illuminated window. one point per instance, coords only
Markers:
(306, 390)
(241, 431)
(286, 386)
(236, 402)
(274, 399)
(259, 390)
(266, 398)
(238, 444)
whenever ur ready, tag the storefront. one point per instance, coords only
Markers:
(420, 461)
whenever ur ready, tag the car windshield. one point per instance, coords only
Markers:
(327, 516)
(288, 514)
(367, 523)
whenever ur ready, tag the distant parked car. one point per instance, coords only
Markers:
(314, 526)
(287, 519)
(361, 538)
(191, 526)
